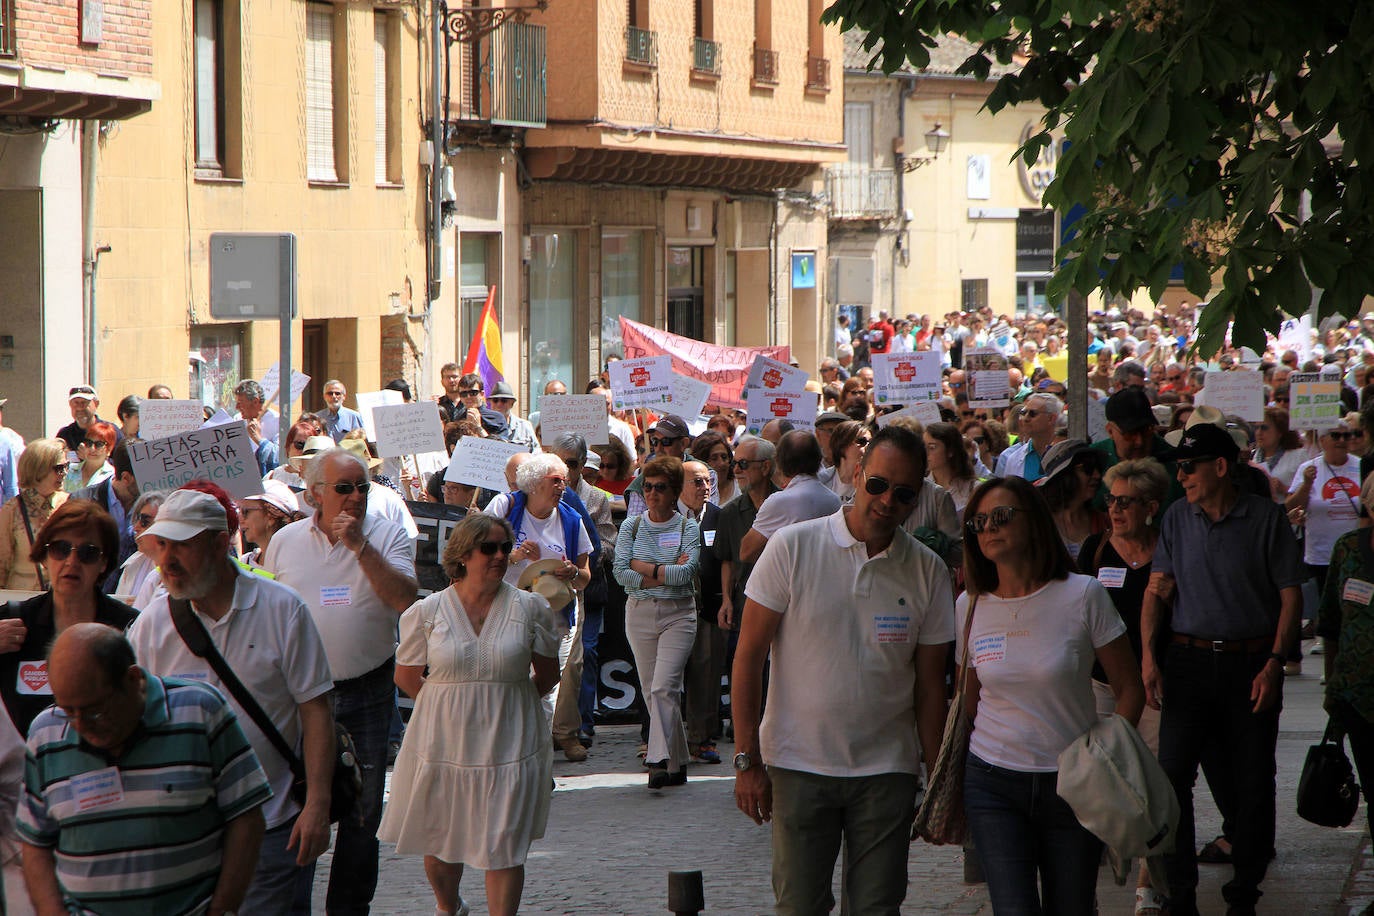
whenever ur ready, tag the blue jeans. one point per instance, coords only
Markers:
(591, 665)
(364, 706)
(1024, 831)
(280, 887)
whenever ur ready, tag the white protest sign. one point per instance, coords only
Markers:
(408, 429)
(220, 454)
(1314, 401)
(272, 381)
(798, 409)
(905, 378)
(1296, 334)
(927, 412)
(643, 382)
(689, 395)
(1237, 392)
(986, 371)
(771, 375)
(367, 400)
(219, 418)
(584, 414)
(480, 462)
(160, 418)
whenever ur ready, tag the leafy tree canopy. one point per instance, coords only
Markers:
(1225, 135)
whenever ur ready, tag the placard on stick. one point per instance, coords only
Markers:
(1314, 401)
(644, 382)
(159, 418)
(219, 454)
(480, 462)
(584, 414)
(1239, 393)
(689, 395)
(927, 412)
(798, 409)
(367, 400)
(906, 378)
(408, 429)
(771, 375)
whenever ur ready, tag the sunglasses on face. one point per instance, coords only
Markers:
(346, 487)
(656, 488)
(489, 548)
(559, 481)
(59, 468)
(86, 553)
(877, 486)
(469, 392)
(1030, 413)
(93, 443)
(742, 464)
(656, 441)
(984, 521)
(1123, 502)
(1339, 435)
(978, 440)
(1187, 466)
(862, 441)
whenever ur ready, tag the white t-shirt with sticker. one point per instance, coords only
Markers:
(546, 532)
(1332, 507)
(1034, 657)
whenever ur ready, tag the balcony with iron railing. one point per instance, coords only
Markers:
(502, 80)
(641, 47)
(817, 74)
(765, 67)
(858, 192)
(705, 57)
(7, 28)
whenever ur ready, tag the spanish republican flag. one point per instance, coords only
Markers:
(484, 353)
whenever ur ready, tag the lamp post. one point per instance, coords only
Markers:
(936, 140)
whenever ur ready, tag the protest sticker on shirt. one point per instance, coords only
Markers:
(97, 789)
(670, 541)
(799, 409)
(771, 375)
(892, 628)
(1357, 591)
(336, 595)
(990, 648)
(643, 382)
(32, 679)
(906, 378)
(1112, 576)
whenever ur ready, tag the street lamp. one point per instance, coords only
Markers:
(936, 140)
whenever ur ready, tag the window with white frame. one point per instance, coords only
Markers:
(321, 162)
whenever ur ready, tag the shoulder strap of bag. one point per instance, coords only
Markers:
(193, 633)
(968, 630)
(28, 528)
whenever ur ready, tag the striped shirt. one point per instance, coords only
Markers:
(661, 543)
(142, 834)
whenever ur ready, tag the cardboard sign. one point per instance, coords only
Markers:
(906, 378)
(408, 429)
(799, 409)
(480, 462)
(368, 400)
(220, 454)
(646, 382)
(272, 381)
(584, 414)
(1239, 392)
(689, 395)
(771, 375)
(927, 412)
(158, 419)
(986, 371)
(1314, 401)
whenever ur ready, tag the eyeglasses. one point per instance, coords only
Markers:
(742, 464)
(1187, 466)
(554, 478)
(489, 548)
(656, 488)
(346, 487)
(86, 553)
(1030, 413)
(979, 440)
(59, 468)
(94, 443)
(144, 519)
(296, 445)
(862, 441)
(999, 516)
(877, 486)
(469, 392)
(98, 711)
(656, 441)
(1339, 435)
(1123, 502)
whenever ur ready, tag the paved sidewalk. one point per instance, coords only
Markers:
(611, 843)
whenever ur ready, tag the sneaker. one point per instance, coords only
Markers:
(706, 753)
(572, 749)
(463, 909)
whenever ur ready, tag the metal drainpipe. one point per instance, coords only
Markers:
(90, 152)
(773, 270)
(904, 92)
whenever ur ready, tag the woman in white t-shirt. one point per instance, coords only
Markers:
(1035, 632)
(1324, 497)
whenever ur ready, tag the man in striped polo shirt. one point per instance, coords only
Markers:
(141, 794)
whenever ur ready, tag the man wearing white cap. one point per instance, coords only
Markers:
(265, 633)
(83, 402)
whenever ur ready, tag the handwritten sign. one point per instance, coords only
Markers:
(771, 375)
(646, 382)
(798, 409)
(584, 414)
(1296, 334)
(159, 418)
(1314, 401)
(480, 462)
(408, 429)
(368, 400)
(220, 454)
(1240, 393)
(272, 381)
(905, 378)
(988, 386)
(689, 395)
(724, 368)
(927, 412)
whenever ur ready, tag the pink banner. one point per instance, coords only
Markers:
(723, 368)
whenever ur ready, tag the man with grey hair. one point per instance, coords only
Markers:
(338, 419)
(357, 576)
(1128, 374)
(262, 423)
(1036, 423)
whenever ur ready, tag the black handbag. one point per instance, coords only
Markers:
(347, 784)
(1327, 792)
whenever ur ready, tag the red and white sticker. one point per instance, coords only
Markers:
(32, 679)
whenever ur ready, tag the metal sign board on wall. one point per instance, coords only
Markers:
(252, 275)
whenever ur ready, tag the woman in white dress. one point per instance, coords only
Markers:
(471, 783)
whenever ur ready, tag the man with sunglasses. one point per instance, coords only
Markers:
(858, 618)
(802, 496)
(1234, 568)
(357, 575)
(338, 420)
(1036, 424)
(84, 403)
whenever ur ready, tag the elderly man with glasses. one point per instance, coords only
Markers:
(1036, 423)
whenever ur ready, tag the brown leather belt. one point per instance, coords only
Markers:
(1258, 644)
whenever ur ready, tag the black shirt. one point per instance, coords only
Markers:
(1128, 599)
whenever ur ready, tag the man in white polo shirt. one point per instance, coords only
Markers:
(858, 616)
(356, 575)
(803, 497)
(265, 633)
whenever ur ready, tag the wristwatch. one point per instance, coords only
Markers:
(743, 761)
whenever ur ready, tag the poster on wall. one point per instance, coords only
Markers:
(804, 270)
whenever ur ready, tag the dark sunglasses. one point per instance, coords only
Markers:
(999, 516)
(489, 548)
(346, 487)
(656, 441)
(877, 486)
(1030, 413)
(656, 488)
(86, 553)
(742, 464)
(59, 468)
(1123, 502)
(1189, 465)
(980, 440)
(469, 392)
(862, 441)
(1339, 435)
(94, 443)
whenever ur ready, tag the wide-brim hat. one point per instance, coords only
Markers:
(359, 449)
(312, 447)
(1064, 455)
(539, 578)
(278, 495)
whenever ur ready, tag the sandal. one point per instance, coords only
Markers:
(707, 753)
(1148, 902)
(1214, 854)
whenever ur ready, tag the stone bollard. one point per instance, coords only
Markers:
(686, 897)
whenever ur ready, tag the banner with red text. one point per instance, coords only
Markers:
(724, 368)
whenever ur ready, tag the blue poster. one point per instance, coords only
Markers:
(804, 270)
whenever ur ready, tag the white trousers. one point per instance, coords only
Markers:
(661, 632)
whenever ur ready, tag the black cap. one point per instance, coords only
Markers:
(1206, 441)
(671, 426)
(493, 421)
(1130, 409)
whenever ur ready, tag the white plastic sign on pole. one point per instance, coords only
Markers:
(988, 385)
(1239, 393)
(689, 395)
(480, 462)
(927, 412)
(798, 409)
(906, 378)
(644, 382)
(367, 400)
(272, 381)
(1314, 401)
(220, 454)
(771, 375)
(408, 429)
(584, 414)
(158, 418)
